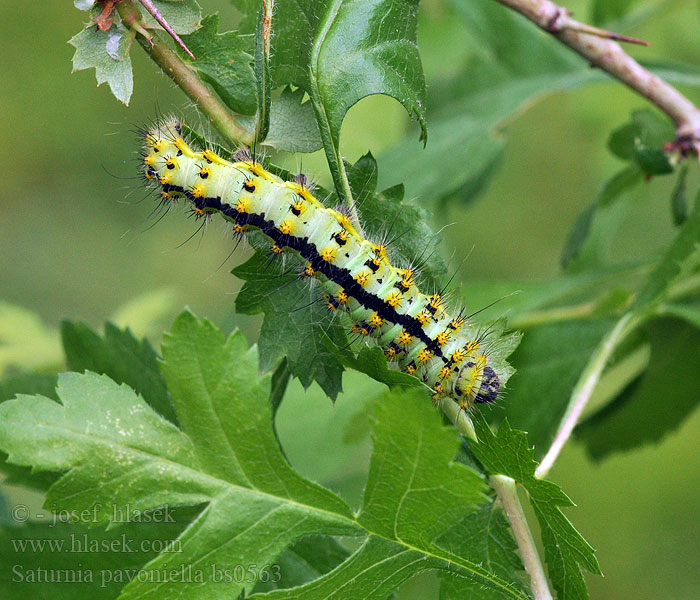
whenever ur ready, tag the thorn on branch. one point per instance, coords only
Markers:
(157, 15)
(560, 21)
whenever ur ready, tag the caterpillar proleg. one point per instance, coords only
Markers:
(417, 333)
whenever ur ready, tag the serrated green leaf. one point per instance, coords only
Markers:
(550, 357)
(122, 454)
(115, 452)
(27, 383)
(224, 61)
(508, 452)
(657, 403)
(184, 16)
(414, 492)
(485, 537)
(399, 496)
(295, 324)
(121, 357)
(108, 53)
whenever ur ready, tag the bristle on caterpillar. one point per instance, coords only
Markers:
(417, 333)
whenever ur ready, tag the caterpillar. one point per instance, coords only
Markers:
(417, 333)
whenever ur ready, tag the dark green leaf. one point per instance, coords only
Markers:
(508, 452)
(104, 436)
(296, 322)
(485, 537)
(657, 403)
(108, 53)
(120, 356)
(223, 61)
(69, 561)
(548, 363)
(27, 383)
(403, 227)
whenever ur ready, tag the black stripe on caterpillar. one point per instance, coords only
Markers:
(414, 329)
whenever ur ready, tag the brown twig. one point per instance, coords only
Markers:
(600, 48)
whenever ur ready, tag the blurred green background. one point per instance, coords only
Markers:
(77, 243)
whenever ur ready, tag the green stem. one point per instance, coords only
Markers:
(330, 144)
(585, 387)
(220, 116)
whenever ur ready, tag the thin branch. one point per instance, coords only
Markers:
(507, 491)
(609, 56)
(584, 389)
(171, 64)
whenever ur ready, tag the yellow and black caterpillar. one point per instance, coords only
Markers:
(415, 330)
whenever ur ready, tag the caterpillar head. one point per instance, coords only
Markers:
(477, 382)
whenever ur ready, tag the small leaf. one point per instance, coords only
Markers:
(372, 362)
(508, 453)
(642, 140)
(656, 404)
(550, 357)
(91, 52)
(223, 61)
